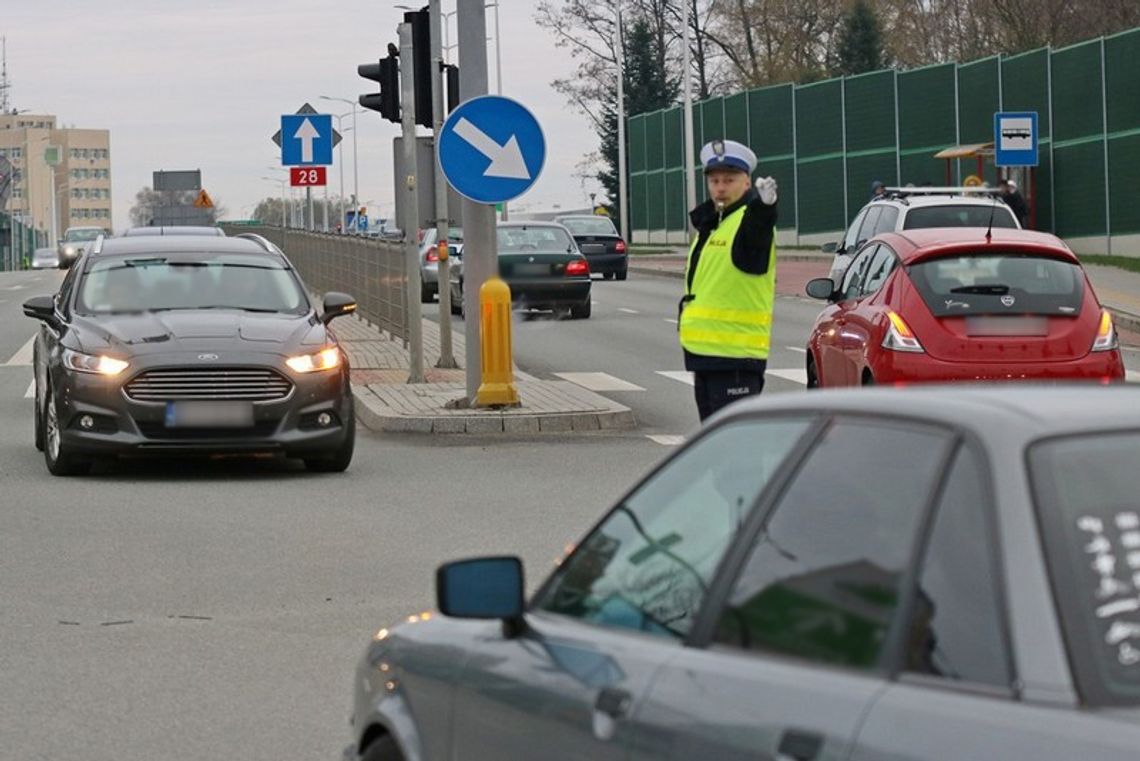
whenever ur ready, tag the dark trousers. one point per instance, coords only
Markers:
(718, 389)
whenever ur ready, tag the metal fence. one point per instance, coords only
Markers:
(371, 271)
(826, 142)
(18, 241)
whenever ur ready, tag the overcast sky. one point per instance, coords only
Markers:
(202, 85)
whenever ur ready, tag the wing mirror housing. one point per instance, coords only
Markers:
(822, 288)
(335, 305)
(483, 588)
(41, 308)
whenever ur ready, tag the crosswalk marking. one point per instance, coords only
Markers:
(31, 392)
(667, 441)
(628, 311)
(681, 376)
(670, 320)
(24, 355)
(795, 375)
(599, 382)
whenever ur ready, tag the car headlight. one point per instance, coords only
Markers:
(326, 359)
(90, 363)
(68, 250)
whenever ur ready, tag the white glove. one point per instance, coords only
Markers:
(766, 187)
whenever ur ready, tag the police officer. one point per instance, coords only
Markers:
(725, 319)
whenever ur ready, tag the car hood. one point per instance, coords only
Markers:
(198, 330)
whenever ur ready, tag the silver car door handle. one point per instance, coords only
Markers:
(613, 702)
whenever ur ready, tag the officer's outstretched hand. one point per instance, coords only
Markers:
(766, 187)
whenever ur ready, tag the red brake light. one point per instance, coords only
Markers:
(432, 254)
(578, 267)
(621, 246)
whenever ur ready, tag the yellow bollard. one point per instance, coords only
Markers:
(498, 386)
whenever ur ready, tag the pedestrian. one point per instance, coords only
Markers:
(1015, 201)
(725, 316)
(878, 190)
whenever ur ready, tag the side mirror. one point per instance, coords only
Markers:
(481, 588)
(821, 288)
(337, 304)
(41, 308)
(829, 248)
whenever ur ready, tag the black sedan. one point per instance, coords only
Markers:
(600, 242)
(195, 345)
(543, 267)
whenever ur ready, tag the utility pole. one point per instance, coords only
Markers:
(623, 191)
(479, 241)
(442, 221)
(411, 206)
(687, 100)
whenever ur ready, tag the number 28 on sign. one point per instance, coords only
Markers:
(307, 176)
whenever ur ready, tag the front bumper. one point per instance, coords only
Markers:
(903, 367)
(124, 426)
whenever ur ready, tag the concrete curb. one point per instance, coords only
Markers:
(1125, 320)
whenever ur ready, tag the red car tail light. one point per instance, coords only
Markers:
(432, 254)
(900, 337)
(577, 267)
(1106, 339)
(620, 247)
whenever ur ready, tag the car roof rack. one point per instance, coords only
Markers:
(260, 240)
(97, 246)
(948, 190)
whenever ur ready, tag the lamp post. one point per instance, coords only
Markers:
(278, 179)
(355, 168)
(340, 162)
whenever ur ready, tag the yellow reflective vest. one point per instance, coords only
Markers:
(728, 313)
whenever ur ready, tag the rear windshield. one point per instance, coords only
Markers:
(1087, 490)
(999, 284)
(517, 239)
(186, 281)
(963, 215)
(590, 226)
(89, 233)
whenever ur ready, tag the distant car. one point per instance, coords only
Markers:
(929, 575)
(429, 259)
(174, 230)
(45, 259)
(950, 305)
(600, 242)
(189, 345)
(543, 267)
(75, 241)
(914, 211)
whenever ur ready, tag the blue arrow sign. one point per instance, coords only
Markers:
(1015, 138)
(306, 140)
(491, 149)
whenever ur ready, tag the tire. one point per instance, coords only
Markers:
(622, 275)
(59, 459)
(427, 293)
(581, 311)
(868, 379)
(382, 749)
(339, 460)
(812, 375)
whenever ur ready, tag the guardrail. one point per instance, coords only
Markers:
(371, 271)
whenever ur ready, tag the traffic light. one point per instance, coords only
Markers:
(421, 63)
(386, 72)
(451, 71)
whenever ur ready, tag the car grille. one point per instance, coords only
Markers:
(252, 384)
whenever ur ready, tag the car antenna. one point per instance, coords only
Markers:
(990, 226)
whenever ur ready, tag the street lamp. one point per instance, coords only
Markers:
(340, 161)
(355, 173)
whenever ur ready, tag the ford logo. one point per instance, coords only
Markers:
(208, 357)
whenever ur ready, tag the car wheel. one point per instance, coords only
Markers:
(57, 455)
(339, 460)
(581, 311)
(868, 378)
(382, 749)
(812, 375)
(622, 275)
(427, 293)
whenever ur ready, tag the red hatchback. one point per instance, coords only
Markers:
(954, 305)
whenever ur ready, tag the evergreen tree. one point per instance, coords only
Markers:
(860, 47)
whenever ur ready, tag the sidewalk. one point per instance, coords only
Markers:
(1117, 289)
(385, 401)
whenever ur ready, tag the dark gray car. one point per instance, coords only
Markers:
(945, 573)
(194, 345)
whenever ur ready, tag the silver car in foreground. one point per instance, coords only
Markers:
(944, 573)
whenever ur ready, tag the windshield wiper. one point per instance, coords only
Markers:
(984, 290)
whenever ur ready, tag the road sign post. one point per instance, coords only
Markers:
(442, 220)
(411, 209)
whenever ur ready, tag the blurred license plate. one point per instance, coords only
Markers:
(532, 269)
(593, 248)
(1007, 326)
(209, 414)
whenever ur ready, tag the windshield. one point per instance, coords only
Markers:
(517, 239)
(999, 284)
(590, 226)
(1087, 490)
(90, 233)
(182, 281)
(962, 215)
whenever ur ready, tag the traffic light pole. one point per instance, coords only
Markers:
(442, 221)
(411, 208)
(479, 242)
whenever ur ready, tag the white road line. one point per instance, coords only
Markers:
(798, 349)
(24, 355)
(667, 441)
(628, 311)
(31, 392)
(15, 287)
(599, 382)
(1132, 376)
(681, 376)
(670, 320)
(795, 376)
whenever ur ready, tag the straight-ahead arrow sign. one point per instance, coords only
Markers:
(506, 160)
(306, 133)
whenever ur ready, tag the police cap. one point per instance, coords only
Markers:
(728, 154)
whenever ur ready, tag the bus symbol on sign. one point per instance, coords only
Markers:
(307, 176)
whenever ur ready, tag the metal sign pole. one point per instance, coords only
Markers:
(442, 223)
(411, 207)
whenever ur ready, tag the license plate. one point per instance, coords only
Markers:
(593, 248)
(209, 414)
(532, 269)
(1007, 326)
